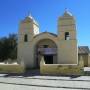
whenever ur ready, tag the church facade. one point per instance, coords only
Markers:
(60, 48)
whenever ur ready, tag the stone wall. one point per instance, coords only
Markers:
(89, 60)
(11, 68)
(55, 69)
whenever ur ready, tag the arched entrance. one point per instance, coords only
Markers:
(48, 49)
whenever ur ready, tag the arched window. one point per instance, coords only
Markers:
(25, 38)
(67, 36)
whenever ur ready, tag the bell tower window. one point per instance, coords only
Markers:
(67, 36)
(25, 38)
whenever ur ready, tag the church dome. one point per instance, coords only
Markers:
(67, 13)
(29, 18)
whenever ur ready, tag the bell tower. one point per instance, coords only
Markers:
(27, 30)
(67, 39)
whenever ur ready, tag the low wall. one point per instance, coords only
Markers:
(55, 69)
(89, 60)
(11, 68)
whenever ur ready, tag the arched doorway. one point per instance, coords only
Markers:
(48, 49)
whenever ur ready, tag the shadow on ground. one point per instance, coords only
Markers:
(35, 72)
(27, 73)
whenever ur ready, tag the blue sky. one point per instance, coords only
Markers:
(46, 13)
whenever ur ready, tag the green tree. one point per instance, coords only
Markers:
(8, 47)
(12, 46)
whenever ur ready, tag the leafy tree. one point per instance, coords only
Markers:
(8, 47)
(4, 48)
(12, 46)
